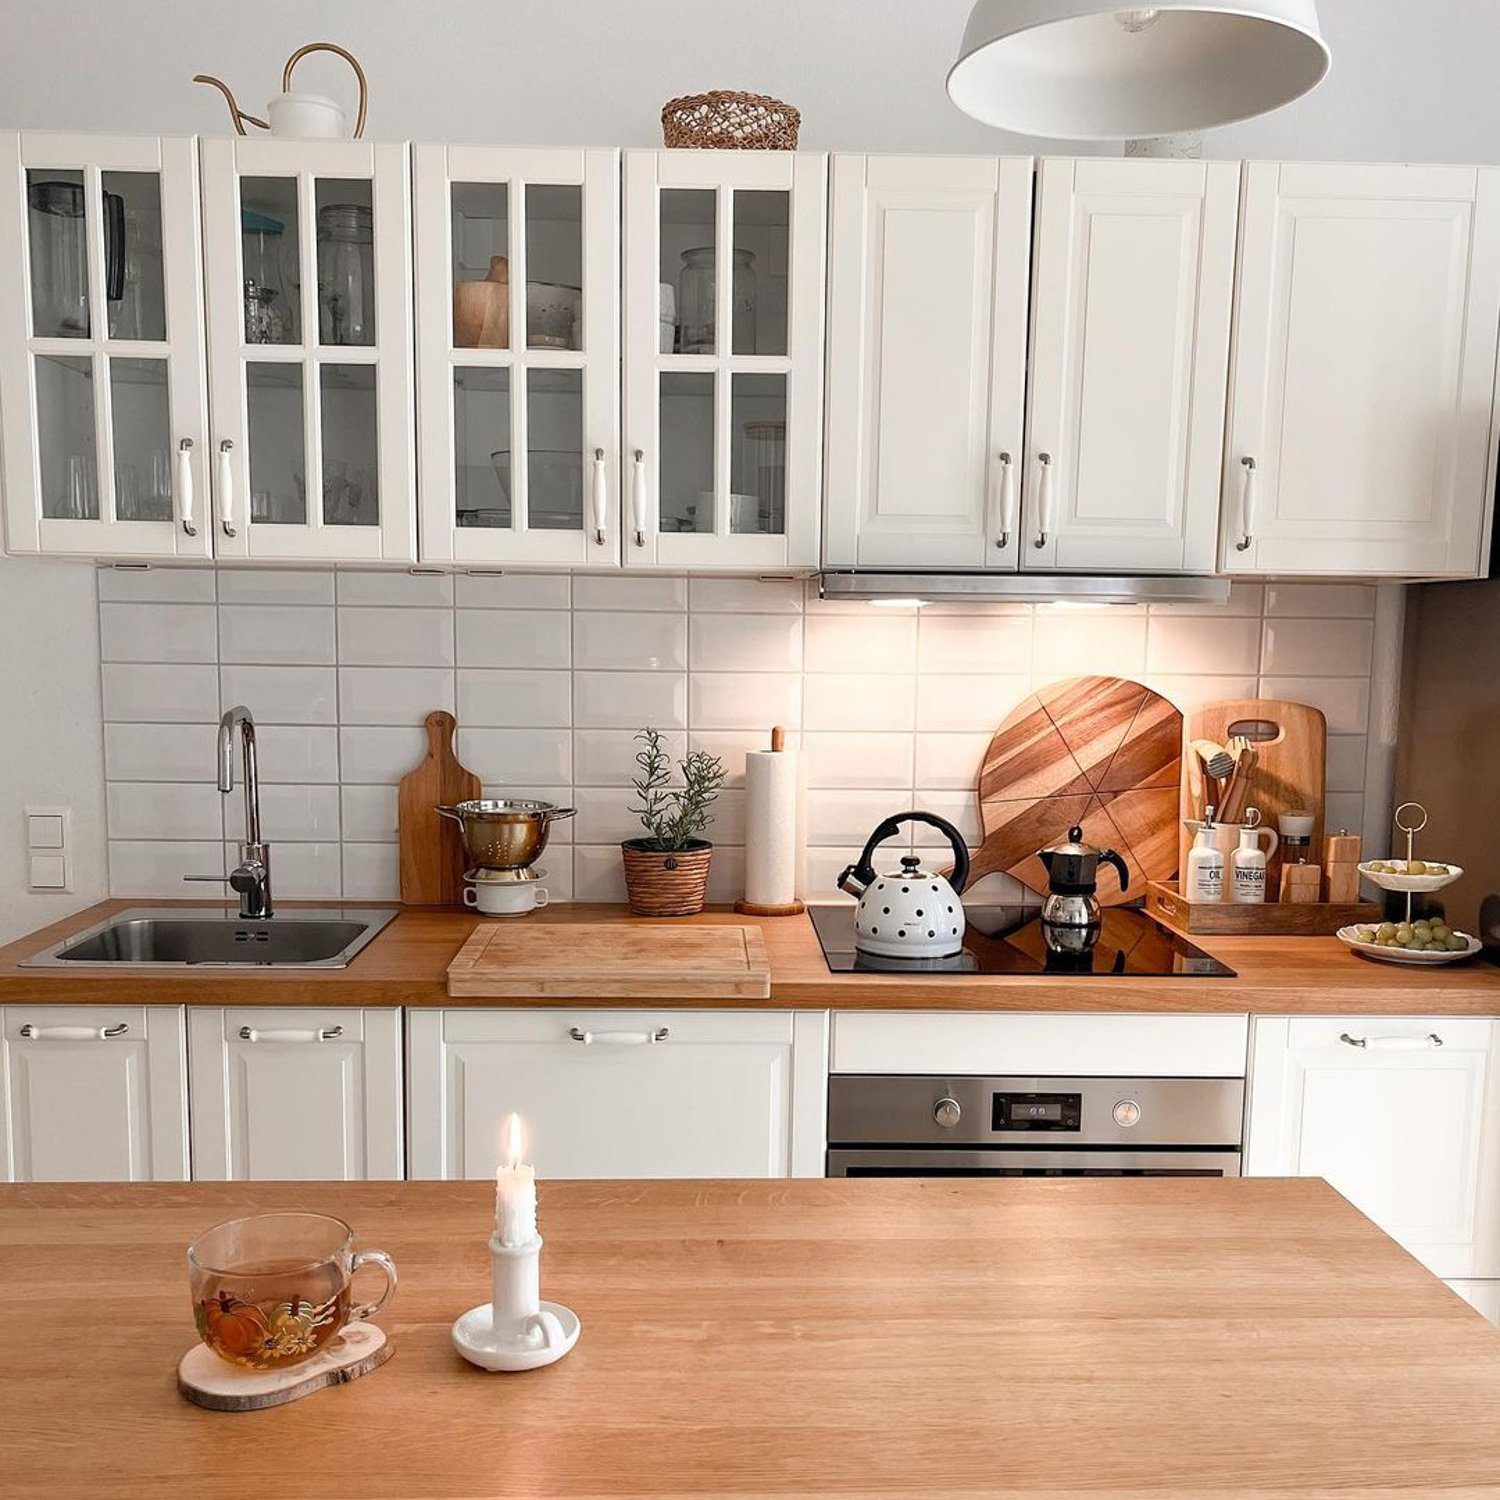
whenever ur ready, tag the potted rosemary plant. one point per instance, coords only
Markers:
(666, 871)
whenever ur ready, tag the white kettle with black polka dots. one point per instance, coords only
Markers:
(910, 912)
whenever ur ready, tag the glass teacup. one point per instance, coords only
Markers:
(274, 1289)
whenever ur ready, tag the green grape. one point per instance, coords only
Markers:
(1456, 942)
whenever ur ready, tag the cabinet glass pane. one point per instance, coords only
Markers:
(278, 473)
(481, 265)
(757, 477)
(762, 237)
(481, 447)
(57, 238)
(134, 294)
(269, 260)
(346, 261)
(65, 437)
(687, 266)
(686, 499)
(141, 421)
(554, 450)
(554, 267)
(351, 478)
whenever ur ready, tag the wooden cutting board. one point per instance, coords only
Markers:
(432, 854)
(1101, 752)
(1291, 742)
(509, 959)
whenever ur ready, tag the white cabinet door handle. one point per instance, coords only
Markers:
(619, 1038)
(185, 499)
(600, 497)
(1247, 507)
(1043, 499)
(1429, 1043)
(226, 486)
(323, 1034)
(638, 498)
(1007, 501)
(73, 1033)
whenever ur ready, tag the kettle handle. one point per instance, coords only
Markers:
(864, 870)
(1109, 857)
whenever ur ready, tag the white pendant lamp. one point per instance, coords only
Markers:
(1096, 70)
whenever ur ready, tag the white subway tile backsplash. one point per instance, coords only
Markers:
(370, 814)
(835, 701)
(746, 643)
(157, 867)
(1346, 763)
(1327, 601)
(1244, 599)
(372, 872)
(514, 638)
(731, 747)
(615, 591)
(395, 636)
(1343, 812)
(165, 810)
(256, 585)
(745, 595)
(380, 755)
(1188, 693)
(1345, 701)
(512, 591)
(156, 632)
(517, 758)
(293, 814)
(950, 762)
(960, 808)
(744, 700)
(145, 693)
(629, 700)
(606, 757)
(299, 753)
(1087, 642)
(847, 818)
(598, 873)
(604, 816)
(128, 585)
(995, 644)
(1189, 644)
(161, 752)
(282, 695)
(959, 703)
(393, 695)
(276, 634)
(301, 872)
(516, 700)
(879, 641)
(387, 587)
(726, 874)
(1320, 648)
(857, 759)
(633, 642)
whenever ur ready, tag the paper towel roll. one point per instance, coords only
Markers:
(771, 778)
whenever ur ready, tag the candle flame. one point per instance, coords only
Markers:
(512, 1142)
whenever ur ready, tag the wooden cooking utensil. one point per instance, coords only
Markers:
(1237, 792)
(432, 853)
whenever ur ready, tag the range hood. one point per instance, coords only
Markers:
(1024, 588)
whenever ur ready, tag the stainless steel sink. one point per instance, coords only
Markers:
(170, 938)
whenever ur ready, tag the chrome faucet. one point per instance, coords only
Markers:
(252, 876)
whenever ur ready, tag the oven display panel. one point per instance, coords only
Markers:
(1036, 1111)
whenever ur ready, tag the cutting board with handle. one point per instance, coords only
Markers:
(513, 959)
(432, 854)
(1104, 753)
(1290, 741)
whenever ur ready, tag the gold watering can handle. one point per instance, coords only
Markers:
(349, 57)
(237, 116)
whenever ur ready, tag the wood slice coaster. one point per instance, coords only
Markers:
(1104, 753)
(206, 1380)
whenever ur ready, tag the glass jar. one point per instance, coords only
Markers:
(346, 274)
(261, 251)
(697, 315)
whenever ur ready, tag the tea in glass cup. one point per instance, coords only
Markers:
(272, 1290)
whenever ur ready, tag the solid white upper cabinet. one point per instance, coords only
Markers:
(1129, 355)
(927, 299)
(619, 1093)
(1364, 371)
(1401, 1114)
(93, 1093)
(724, 296)
(101, 347)
(518, 351)
(308, 262)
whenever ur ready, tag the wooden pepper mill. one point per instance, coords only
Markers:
(1341, 856)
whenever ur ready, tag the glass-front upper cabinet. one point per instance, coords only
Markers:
(724, 263)
(518, 349)
(101, 348)
(308, 257)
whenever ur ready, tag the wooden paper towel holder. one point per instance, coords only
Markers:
(788, 908)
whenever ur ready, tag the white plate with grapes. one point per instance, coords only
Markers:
(1414, 875)
(1421, 942)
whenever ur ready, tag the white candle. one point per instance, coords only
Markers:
(515, 1192)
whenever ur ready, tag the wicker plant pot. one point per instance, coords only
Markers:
(662, 883)
(730, 120)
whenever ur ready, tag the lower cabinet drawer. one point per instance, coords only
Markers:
(618, 1093)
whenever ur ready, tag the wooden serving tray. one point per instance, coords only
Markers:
(610, 961)
(1270, 919)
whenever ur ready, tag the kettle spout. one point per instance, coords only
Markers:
(850, 881)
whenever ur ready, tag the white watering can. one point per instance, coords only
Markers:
(301, 117)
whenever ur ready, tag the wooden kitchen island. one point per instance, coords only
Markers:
(851, 1337)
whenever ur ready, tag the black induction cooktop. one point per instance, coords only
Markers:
(1009, 940)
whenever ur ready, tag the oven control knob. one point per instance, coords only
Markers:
(1127, 1112)
(947, 1112)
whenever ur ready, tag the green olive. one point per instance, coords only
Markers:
(1455, 942)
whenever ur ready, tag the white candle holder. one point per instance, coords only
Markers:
(516, 1330)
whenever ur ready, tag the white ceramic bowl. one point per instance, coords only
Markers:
(551, 311)
(1406, 955)
(1414, 883)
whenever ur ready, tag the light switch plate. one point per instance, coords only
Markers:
(49, 872)
(46, 830)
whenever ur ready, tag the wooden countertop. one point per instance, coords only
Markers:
(407, 965)
(1176, 1338)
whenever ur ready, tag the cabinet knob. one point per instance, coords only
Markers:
(947, 1112)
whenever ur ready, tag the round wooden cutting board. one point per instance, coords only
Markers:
(1104, 753)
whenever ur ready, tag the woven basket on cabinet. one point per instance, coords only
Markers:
(730, 121)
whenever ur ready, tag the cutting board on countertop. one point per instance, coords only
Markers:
(1104, 753)
(1291, 745)
(511, 959)
(432, 853)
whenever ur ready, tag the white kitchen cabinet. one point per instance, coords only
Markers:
(723, 388)
(94, 1093)
(619, 1093)
(1129, 354)
(1366, 322)
(296, 1095)
(105, 407)
(1400, 1114)
(519, 432)
(307, 253)
(927, 299)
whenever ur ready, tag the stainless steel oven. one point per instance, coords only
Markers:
(889, 1126)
